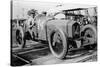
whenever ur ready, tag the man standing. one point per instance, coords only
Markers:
(29, 23)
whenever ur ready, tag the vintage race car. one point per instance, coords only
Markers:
(62, 30)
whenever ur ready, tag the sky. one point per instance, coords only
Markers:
(20, 8)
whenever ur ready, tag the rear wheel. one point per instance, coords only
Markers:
(19, 38)
(58, 44)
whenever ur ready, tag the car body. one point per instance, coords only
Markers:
(61, 33)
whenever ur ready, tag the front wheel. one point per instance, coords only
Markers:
(89, 37)
(58, 44)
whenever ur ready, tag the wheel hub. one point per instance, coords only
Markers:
(57, 44)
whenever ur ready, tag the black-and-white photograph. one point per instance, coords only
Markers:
(44, 33)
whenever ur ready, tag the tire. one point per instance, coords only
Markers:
(19, 38)
(60, 50)
(90, 35)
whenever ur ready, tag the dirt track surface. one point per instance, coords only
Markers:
(39, 54)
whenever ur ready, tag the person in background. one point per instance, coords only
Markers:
(30, 21)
